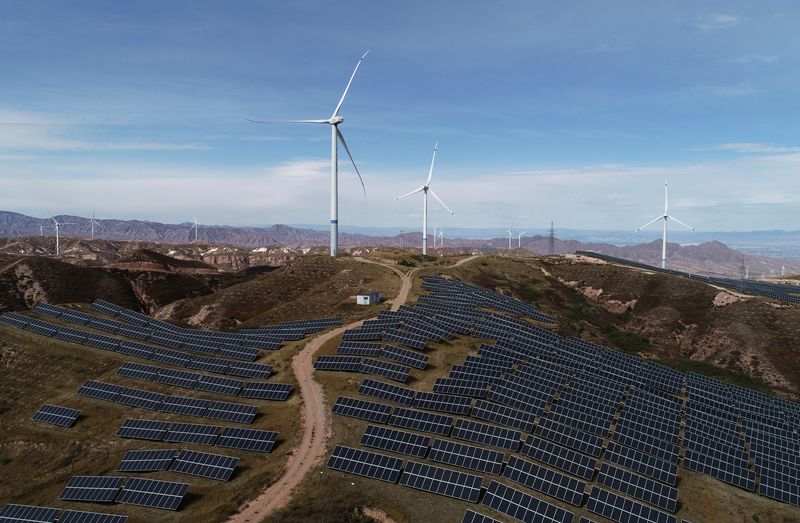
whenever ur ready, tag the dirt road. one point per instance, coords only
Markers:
(315, 416)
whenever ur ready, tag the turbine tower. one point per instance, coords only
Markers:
(519, 239)
(195, 229)
(425, 189)
(435, 237)
(93, 222)
(666, 217)
(336, 137)
(57, 225)
(441, 238)
(510, 235)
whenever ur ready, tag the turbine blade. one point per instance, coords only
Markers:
(341, 138)
(678, 221)
(415, 191)
(347, 88)
(666, 203)
(287, 121)
(430, 171)
(440, 201)
(654, 220)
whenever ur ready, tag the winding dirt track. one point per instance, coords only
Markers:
(315, 415)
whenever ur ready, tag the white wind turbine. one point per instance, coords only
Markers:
(336, 136)
(510, 235)
(93, 222)
(441, 238)
(519, 239)
(435, 237)
(56, 225)
(195, 228)
(666, 217)
(425, 189)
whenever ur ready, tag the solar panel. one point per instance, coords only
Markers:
(405, 356)
(365, 463)
(204, 465)
(642, 463)
(146, 429)
(623, 510)
(503, 415)
(139, 371)
(98, 489)
(421, 421)
(386, 391)
(78, 516)
(247, 439)
(544, 480)
(196, 433)
(170, 357)
(55, 415)
(219, 385)
(466, 456)
(338, 363)
(184, 405)
(99, 390)
(440, 480)
(470, 516)
(570, 437)
(354, 348)
(523, 506)
(785, 491)
(396, 441)
(392, 371)
(99, 341)
(443, 403)
(362, 409)
(266, 391)
(559, 457)
(237, 412)
(143, 399)
(138, 350)
(249, 370)
(12, 513)
(716, 468)
(177, 378)
(639, 487)
(486, 434)
(166, 495)
(146, 460)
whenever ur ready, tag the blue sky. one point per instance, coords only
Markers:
(575, 112)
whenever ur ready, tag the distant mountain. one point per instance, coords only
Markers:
(242, 243)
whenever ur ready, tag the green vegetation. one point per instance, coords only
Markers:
(624, 340)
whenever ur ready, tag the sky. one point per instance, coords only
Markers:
(575, 112)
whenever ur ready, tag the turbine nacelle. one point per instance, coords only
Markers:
(335, 120)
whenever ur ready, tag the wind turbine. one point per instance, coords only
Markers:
(435, 237)
(195, 228)
(519, 239)
(666, 217)
(56, 225)
(441, 238)
(336, 136)
(425, 189)
(93, 222)
(510, 235)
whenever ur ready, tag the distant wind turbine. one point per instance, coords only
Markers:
(195, 228)
(336, 136)
(93, 222)
(510, 235)
(519, 239)
(435, 237)
(666, 217)
(441, 238)
(57, 225)
(425, 189)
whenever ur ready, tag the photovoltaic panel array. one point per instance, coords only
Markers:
(503, 415)
(421, 421)
(470, 516)
(440, 480)
(466, 456)
(13, 513)
(205, 465)
(143, 429)
(624, 510)
(443, 403)
(79, 516)
(485, 434)
(522, 506)
(166, 495)
(559, 457)
(56, 415)
(196, 433)
(248, 439)
(641, 488)
(97, 489)
(550, 482)
(396, 441)
(362, 409)
(147, 460)
(387, 391)
(365, 463)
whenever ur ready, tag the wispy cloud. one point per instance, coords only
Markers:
(749, 59)
(717, 21)
(751, 148)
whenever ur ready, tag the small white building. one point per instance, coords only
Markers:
(368, 298)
